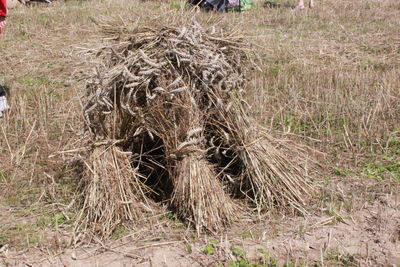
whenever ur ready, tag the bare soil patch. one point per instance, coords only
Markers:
(367, 234)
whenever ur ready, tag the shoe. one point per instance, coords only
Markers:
(3, 101)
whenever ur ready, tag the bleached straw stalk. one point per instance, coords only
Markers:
(112, 192)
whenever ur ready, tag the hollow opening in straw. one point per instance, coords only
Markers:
(148, 157)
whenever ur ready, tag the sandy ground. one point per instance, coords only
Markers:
(367, 234)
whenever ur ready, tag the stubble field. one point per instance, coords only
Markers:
(329, 83)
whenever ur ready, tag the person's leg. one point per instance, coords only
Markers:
(2, 24)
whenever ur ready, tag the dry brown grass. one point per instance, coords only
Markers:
(330, 76)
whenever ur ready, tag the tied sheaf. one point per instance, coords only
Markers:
(167, 118)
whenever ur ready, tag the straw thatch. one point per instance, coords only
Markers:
(172, 96)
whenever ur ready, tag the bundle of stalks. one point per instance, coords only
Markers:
(112, 192)
(173, 97)
(147, 63)
(275, 180)
(197, 194)
(266, 175)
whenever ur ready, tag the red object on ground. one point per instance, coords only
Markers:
(3, 8)
(3, 14)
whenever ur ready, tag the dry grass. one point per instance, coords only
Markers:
(330, 76)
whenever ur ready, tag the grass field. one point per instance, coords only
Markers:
(330, 82)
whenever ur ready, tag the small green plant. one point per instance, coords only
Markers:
(170, 216)
(209, 249)
(51, 219)
(394, 141)
(340, 171)
(274, 70)
(238, 252)
(273, 262)
(59, 219)
(189, 249)
(386, 169)
(241, 262)
(213, 241)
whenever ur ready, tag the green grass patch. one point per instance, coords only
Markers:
(209, 249)
(381, 170)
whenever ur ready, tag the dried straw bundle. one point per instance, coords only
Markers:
(197, 194)
(112, 192)
(199, 197)
(157, 83)
(263, 173)
(173, 97)
(275, 180)
(147, 66)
